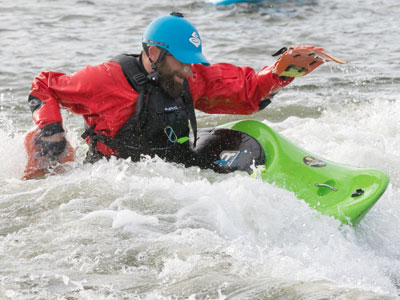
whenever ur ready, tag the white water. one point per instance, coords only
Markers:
(152, 230)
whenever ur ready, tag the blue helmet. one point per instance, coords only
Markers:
(178, 36)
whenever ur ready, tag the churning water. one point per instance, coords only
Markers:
(152, 230)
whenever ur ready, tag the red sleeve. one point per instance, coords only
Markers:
(90, 91)
(227, 89)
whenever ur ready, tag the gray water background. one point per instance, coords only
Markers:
(151, 230)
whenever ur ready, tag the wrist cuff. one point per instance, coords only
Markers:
(51, 129)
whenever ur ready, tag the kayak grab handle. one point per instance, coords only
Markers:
(326, 185)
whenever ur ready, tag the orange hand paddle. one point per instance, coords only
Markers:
(38, 166)
(300, 60)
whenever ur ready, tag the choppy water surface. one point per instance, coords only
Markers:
(151, 230)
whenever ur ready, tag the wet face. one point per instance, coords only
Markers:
(172, 74)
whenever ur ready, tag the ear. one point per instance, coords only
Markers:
(154, 52)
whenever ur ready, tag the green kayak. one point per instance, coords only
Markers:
(344, 192)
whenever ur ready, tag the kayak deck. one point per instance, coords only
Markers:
(344, 192)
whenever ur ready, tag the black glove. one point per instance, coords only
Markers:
(45, 144)
(54, 149)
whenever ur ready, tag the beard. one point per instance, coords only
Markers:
(167, 82)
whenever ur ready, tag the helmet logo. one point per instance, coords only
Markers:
(195, 39)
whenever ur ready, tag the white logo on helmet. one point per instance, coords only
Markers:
(195, 39)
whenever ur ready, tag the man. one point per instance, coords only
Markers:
(143, 104)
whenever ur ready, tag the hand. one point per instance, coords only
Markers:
(46, 154)
(52, 146)
(300, 60)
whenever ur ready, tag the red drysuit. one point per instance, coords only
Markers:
(104, 97)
